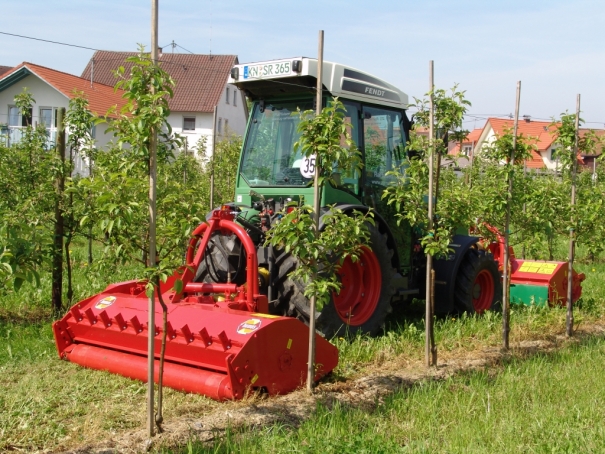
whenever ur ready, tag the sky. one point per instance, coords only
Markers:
(555, 47)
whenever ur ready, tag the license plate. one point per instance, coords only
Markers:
(268, 70)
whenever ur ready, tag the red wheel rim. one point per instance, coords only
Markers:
(483, 291)
(360, 291)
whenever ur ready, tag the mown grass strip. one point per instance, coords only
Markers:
(548, 403)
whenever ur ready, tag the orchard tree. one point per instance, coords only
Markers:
(587, 217)
(454, 202)
(79, 122)
(27, 197)
(319, 257)
(490, 176)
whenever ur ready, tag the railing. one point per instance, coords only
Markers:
(10, 135)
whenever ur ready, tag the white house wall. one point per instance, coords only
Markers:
(234, 115)
(47, 96)
(203, 127)
(44, 94)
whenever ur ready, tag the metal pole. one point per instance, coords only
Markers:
(429, 258)
(506, 270)
(318, 99)
(152, 217)
(574, 169)
(212, 159)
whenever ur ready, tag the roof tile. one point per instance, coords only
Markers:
(100, 97)
(200, 79)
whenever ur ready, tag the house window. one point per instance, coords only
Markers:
(219, 128)
(26, 120)
(466, 150)
(226, 125)
(189, 124)
(13, 116)
(553, 153)
(46, 117)
(16, 119)
(227, 97)
(234, 98)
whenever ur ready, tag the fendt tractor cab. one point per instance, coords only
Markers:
(272, 174)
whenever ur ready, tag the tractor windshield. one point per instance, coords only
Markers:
(269, 157)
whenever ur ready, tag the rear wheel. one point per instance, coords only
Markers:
(364, 299)
(478, 285)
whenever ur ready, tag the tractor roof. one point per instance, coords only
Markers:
(299, 75)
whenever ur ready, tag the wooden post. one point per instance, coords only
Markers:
(428, 317)
(152, 219)
(316, 201)
(506, 268)
(212, 160)
(57, 274)
(572, 240)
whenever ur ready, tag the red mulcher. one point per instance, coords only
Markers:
(219, 346)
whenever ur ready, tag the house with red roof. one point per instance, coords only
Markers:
(539, 133)
(51, 90)
(200, 85)
(466, 147)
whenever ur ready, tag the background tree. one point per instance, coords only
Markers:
(27, 199)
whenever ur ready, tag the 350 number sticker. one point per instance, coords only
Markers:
(307, 169)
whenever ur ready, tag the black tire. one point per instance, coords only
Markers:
(222, 261)
(329, 321)
(478, 285)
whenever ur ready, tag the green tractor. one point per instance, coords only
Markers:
(272, 175)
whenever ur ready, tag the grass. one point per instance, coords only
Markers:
(46, 403)
(549, 403)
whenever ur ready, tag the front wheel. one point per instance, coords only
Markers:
(478, 284)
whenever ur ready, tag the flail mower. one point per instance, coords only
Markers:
(536, 282)
(221, 340)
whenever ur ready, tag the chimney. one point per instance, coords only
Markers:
(527, 118)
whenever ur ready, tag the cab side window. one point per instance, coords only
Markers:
(383, 143)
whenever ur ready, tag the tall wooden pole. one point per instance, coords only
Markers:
(212, 159)
(572, 240)
(506, 268)
(57, 274)
(152, 218)
(429, 258)
(312, 303)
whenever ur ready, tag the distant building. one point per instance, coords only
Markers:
(201, 84)
(51, 90)
(543, 135)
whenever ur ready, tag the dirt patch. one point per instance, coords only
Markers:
(364, 392)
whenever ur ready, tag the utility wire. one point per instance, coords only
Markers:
(48, 41)
(475, 116)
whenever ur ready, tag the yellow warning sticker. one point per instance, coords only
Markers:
(538, 267)
(249, 326)
(256, 314)
(289, 344)
(254, 379)
(105, 302)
